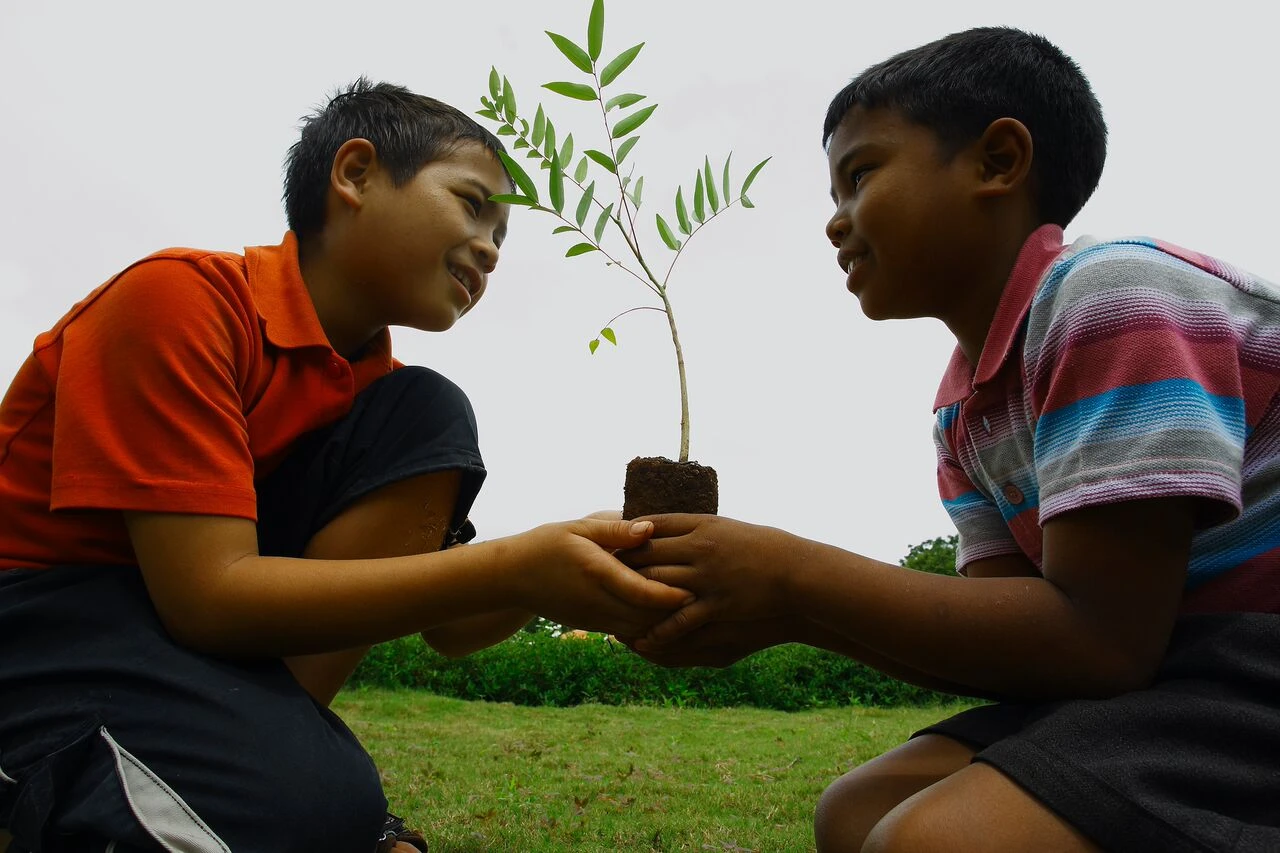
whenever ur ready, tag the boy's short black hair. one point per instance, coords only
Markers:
(957, 85)
(408, 130)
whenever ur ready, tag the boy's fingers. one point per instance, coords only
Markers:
(685, 577)
(684, 620)
(643, 592)
(614, 534)
(673, 524)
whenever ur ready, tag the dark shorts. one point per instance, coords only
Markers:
(1190, 764)
(112, 737)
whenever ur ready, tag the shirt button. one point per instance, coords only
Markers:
(334, 369)
(1013, 494)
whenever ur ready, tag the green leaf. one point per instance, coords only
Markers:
(549, 140)
(623, 101)
(580, 173)
(727, 194)
(566, 150)
(534, 153)
(539, 126)
(625, 148)
(577, 91)
(609, 336)
(595, 29)
(635, 193)
(508, 100)
(489, 114)
(602, 222)
(555, 187)
(584, 205)
(508, 198)
(619, 64)
(746, 202)
(572, 52)
(519, 143)
(495, 84)
(563, 229)
(699, 199)
(603, 159)
(506, 130)
(710, 184)
(593, 345)
(633, 121)
(579, 249)
(751, 176)
(664, 231)
(524, 127)
(682, 213)
(519, 175)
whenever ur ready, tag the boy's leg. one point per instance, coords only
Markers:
(975, 810)
(395, 477)
(406, 517)
(852, 805)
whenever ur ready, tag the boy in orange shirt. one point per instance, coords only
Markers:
(217, 490)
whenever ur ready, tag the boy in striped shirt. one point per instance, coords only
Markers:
(1108, 439)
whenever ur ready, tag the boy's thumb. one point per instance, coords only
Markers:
(620, 534)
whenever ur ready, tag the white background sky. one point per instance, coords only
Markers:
(128, 126)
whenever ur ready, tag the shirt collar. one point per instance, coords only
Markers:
(960, 379)
(284, 304)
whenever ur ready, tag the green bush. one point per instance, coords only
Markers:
(537, 668)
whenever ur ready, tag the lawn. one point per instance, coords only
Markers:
(478, 776)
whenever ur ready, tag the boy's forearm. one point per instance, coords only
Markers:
(1012, 637)
(279, 606)
(817, 635)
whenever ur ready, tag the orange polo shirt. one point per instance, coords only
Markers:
(170, 388)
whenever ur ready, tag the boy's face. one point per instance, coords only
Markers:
(903, 215)
(425, 249)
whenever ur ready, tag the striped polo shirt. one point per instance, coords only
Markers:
(1118, 371)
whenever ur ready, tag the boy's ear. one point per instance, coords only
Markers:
(353, 166)
(1005, 149)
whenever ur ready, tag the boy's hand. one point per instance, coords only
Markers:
(736, 570)
(573, 579)
(718, 644)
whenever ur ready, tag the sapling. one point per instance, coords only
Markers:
(596, 199)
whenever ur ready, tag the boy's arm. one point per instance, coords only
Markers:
(1096, 624)
(215, 593)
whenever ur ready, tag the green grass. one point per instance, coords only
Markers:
(478, 776)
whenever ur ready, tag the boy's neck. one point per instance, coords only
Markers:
(327, 286)
(970, 320)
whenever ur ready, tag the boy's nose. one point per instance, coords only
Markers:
(837, 229)
(486, 252)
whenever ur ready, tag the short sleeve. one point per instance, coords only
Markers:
(149, 412)
(1134, 370)
(983, 530)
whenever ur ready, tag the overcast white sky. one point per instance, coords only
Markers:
(132, 126)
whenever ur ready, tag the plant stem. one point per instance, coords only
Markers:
(684, 382)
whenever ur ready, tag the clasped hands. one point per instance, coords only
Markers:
(735, 573)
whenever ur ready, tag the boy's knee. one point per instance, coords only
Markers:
(839, 821)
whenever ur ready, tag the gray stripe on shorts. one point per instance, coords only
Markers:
(159, 809)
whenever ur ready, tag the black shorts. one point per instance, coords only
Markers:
(1189, 765)
(114, 738)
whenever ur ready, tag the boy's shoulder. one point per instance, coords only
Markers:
(1137, 268)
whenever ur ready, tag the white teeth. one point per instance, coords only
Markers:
(853, 262)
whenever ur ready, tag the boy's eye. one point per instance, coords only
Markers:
(856, 176)
(476, 203)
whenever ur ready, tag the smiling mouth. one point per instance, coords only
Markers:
(463, 279)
